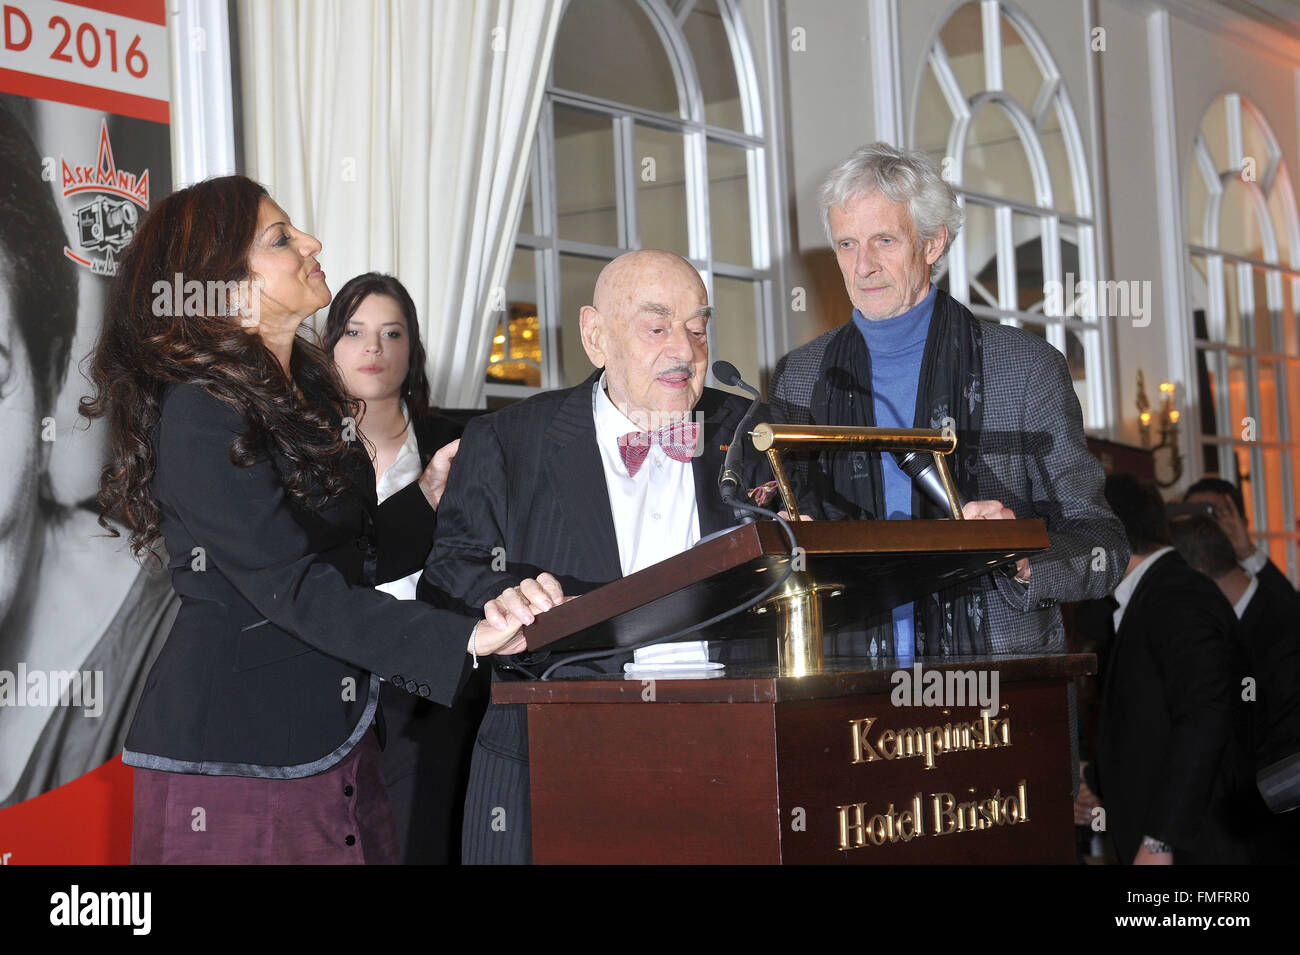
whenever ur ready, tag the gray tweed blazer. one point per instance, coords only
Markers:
(1034, 460)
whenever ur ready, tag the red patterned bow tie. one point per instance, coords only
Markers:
(677, 440)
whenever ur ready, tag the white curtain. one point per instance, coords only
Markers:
(399, 133)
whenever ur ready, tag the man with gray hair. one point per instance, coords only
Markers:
(912, 356)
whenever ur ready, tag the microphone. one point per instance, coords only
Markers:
(727, 373)
(919, 466)
(729, 481)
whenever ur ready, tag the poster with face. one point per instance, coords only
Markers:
(84, 150)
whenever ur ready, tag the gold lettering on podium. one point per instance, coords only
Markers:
(977, 815)
(862, 751)
(929, 742)
(859, 828)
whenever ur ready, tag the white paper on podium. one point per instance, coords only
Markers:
(691, 655)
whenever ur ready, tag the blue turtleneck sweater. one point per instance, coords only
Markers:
(897, 345)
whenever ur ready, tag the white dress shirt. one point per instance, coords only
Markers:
(1256, 561)
(1124, 592)
(1244, 601)
(404, 469)
(654, 512)
(655, 516)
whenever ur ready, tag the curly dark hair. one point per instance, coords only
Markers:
(204, 233)
(415, 389)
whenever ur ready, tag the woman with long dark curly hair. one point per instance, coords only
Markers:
(255, 739)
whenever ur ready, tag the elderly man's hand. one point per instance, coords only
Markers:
(995, 511)
(516, 608)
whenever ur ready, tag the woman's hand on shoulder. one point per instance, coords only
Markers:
(434, 479)
(516, 608)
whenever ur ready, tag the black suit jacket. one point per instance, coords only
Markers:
(1277, 583)
(270, 669)
(1265, 721)
(1164, 720)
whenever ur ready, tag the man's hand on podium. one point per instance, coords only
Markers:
(785, 515)
(995, 511)
(516, 608)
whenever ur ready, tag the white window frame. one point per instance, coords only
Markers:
(547, 246)
(1216, 349)
(1053, 96)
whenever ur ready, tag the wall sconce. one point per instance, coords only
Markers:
(1165, 423)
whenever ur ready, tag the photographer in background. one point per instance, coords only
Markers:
(1229, 512)
(1265, 656)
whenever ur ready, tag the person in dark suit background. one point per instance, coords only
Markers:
(1265, 683)
(255, 739)
(1165, 719)
(1229, 510)
(373, 334)
(581, 483)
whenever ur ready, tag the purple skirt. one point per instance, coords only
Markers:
(339, 817)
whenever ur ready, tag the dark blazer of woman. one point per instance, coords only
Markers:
(272, 668)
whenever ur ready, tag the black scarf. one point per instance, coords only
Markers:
(850, 485)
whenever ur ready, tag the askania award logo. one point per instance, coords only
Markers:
(115, 201)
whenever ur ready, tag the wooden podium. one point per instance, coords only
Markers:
(862, 760)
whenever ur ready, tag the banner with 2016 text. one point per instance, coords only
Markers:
(84, 150)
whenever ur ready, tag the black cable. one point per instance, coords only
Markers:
(789, 567)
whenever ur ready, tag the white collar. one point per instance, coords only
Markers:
(1256, 561)
(1124, 592)
(1243, 602)
(406, 465)
(611, 424)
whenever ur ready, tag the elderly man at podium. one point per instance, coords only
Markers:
(589, 484)
(912, 356)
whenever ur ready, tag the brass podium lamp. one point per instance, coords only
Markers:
(800, 601)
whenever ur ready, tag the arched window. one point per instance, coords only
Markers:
(992, 110)
(651, 136)
(1244, 288)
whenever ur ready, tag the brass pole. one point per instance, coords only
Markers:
(800, 643)
(782, 483)
(787, 436)
(949, 488)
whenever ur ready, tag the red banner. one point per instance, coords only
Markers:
(84, 151)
